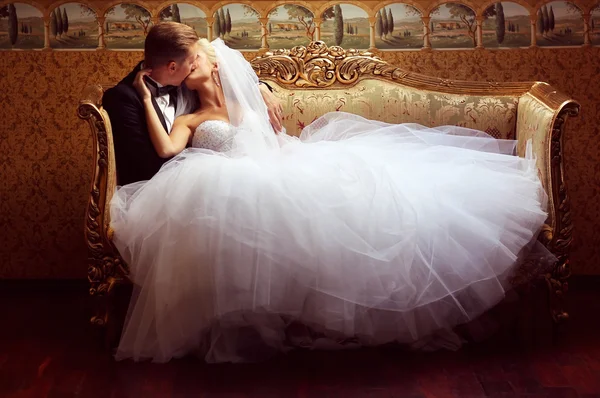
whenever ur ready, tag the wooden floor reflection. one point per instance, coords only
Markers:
(47, 349)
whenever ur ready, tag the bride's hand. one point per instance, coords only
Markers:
(140, 85)
(273, 106)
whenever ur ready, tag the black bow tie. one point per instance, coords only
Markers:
(164, 90)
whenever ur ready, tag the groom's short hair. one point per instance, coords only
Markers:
(166, 42)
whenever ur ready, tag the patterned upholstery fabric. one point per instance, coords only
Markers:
(533, 122)
(393, 103)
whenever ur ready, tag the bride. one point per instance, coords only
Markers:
(249, 243)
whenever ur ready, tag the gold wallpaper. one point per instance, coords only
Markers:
(45, 149)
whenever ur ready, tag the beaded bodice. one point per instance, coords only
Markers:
(216, 135)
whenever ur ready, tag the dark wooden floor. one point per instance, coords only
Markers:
(47, 349)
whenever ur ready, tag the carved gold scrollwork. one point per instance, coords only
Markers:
(105, 266)
(559, 239)
(318, 66)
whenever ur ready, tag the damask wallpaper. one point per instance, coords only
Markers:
(45, 149)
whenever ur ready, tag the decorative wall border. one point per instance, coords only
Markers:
(317, 8)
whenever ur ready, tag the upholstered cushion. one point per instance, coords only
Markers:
(392, 103)
(534, 122)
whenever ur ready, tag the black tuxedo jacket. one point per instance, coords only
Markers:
(135, 155)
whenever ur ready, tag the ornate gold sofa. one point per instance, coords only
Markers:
(316, 79)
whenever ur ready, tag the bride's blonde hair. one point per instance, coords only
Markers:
(208, 49)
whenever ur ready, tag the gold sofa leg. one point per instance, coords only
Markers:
(104, 303)
(104, 283)
(558, 286)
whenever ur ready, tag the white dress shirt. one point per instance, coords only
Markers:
(165, 105)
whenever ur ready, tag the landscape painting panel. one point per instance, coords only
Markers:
(186, 14)
(506, 24)
(559, 23)
(238, 26)
(126, 26)
(346, 25)
(21, 26)
(73, 25)
(453, 25)
(290, 25)
(398, 26)
(595, 26)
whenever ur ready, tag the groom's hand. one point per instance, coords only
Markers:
(273, 106)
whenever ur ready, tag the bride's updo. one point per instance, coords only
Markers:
(208, 49)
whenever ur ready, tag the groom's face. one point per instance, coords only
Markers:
(180, 70)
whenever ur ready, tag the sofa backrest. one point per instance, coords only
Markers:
(316, 79)
(392, 102)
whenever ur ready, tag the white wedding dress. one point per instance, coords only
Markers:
(360, 232)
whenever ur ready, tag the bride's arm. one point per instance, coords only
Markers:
(164, 144)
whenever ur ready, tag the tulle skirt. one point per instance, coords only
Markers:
(359, 231)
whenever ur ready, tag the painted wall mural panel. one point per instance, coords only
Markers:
(126, 26)
(187, 14)
(398, 26)
(238, 26)
(506, 24)
(73, 25)
(346, 25)
(453, 25)
(21, 27)
(290, 25)
(559, 23)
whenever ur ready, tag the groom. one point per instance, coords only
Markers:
(171, 51)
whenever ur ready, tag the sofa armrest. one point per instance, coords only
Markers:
(104, 263)
(541, 116)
